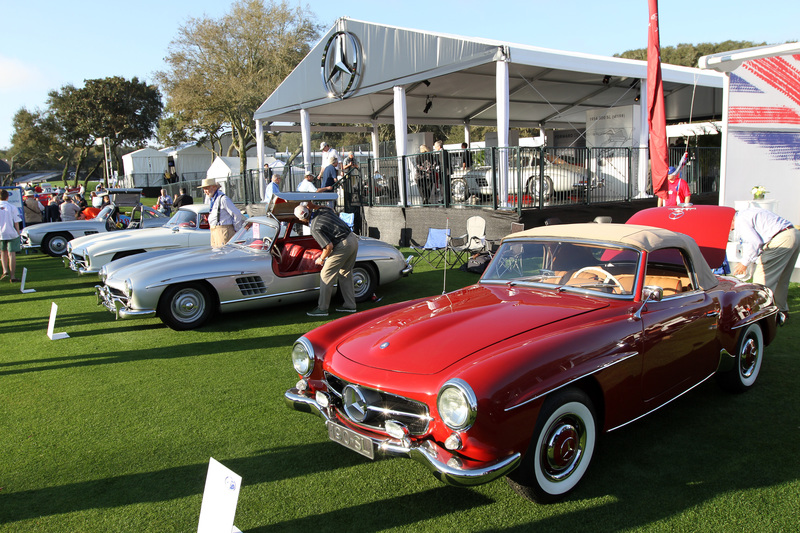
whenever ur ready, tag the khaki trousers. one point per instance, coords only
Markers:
(338, 268)
(774, 269)
(220, 235)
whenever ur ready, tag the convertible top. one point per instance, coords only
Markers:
(645, 238)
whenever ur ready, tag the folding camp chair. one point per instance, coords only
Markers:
(434, 251)
(471, 243)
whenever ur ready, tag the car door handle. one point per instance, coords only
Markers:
(712, 314)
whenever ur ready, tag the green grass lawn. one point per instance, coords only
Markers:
(112, 429)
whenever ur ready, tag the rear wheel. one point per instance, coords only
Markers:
(561, 448)
(534, 185)
(749, 353)
(185, 306)
(55, 244)
(458, 191)
(365, 281)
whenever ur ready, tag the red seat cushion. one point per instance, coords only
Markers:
(307, 264)
(291, 255)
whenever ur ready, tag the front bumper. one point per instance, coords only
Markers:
(409, 268)
(119, 304)
(78, 264)
(446, 466)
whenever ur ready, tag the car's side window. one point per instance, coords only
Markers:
(670, 269)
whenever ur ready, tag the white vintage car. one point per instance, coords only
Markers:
(262, 265)
(52, 237)
(558, 176)
(188, 228)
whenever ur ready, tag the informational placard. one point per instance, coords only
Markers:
(52, 324)
(22, 288)
(220, 497)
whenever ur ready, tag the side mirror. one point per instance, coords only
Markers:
(650, 293)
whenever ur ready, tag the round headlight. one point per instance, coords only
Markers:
(303, 357)
(128, 288)
(103, 274)
(457, 404)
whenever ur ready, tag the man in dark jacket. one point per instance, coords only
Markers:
(182, 199)
(339, 248)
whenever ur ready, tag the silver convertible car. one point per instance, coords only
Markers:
(188, 228)
(52, 237)
(262, 265)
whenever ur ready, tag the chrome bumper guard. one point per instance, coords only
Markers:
(443, 464)
(117, 306)
(409, 267)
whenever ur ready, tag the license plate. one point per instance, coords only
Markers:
(351, 440)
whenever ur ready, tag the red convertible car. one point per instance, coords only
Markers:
(573, 330)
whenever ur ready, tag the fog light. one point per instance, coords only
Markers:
(454, 462)
(301, 386)
(322, 399)
(396, 429)
(453, 442)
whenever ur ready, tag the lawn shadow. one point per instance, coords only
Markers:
(194, 349)
(380, 515)
(163, 485)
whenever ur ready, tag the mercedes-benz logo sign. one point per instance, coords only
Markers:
(342, 64)
(675, 214)
(355, 403)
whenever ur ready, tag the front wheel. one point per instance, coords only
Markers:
(185, 306)
(55, 244)
(561, 448)
(365, 281)
(747, 366)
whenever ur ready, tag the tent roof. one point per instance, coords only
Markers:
(145, 152)
(547, 87)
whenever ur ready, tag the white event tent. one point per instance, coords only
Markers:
(365, 73)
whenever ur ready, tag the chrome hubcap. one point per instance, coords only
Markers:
(188, 304)
(749, 358)
(563, 448)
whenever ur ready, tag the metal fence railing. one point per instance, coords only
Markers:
(510, 177)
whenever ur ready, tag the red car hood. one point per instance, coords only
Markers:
(708, 225)
(432, 335)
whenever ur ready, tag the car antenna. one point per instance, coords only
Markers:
(446, 249)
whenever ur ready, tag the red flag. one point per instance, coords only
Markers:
(656, 117)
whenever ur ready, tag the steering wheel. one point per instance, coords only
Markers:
(608, 276)
(110, 224)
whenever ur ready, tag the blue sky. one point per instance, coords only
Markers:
(45, 45)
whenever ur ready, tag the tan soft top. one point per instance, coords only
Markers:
(644, 238)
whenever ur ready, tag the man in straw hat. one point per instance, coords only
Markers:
(32, 208)
(223, 217)
(339, 248)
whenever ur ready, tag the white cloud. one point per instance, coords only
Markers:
(19, 77)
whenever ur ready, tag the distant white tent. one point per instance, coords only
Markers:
(191, 161)
(143, 167)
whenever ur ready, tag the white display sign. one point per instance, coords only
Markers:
(220, 497)
(52, 324)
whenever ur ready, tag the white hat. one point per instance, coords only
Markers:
(208, 182)
(322, 145)
(301, 212)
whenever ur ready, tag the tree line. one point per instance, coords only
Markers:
(217, 74)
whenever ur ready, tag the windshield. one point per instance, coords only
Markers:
(185, 218)
(580, 266)
(103, 214)
(255, 236)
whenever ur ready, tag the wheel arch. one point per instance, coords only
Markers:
(212, 291)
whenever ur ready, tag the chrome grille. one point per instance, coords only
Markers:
(251, 285)
(383, 406)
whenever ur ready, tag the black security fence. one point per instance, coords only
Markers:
(509, 178)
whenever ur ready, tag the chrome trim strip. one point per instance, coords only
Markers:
(184, 279)
(435, 458)
(663, 404)
(263, 296)
(625, 357)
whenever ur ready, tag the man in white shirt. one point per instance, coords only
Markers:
(307, 185)
(327, 154)
(224, 218)
(772, 243)
(9, 236)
